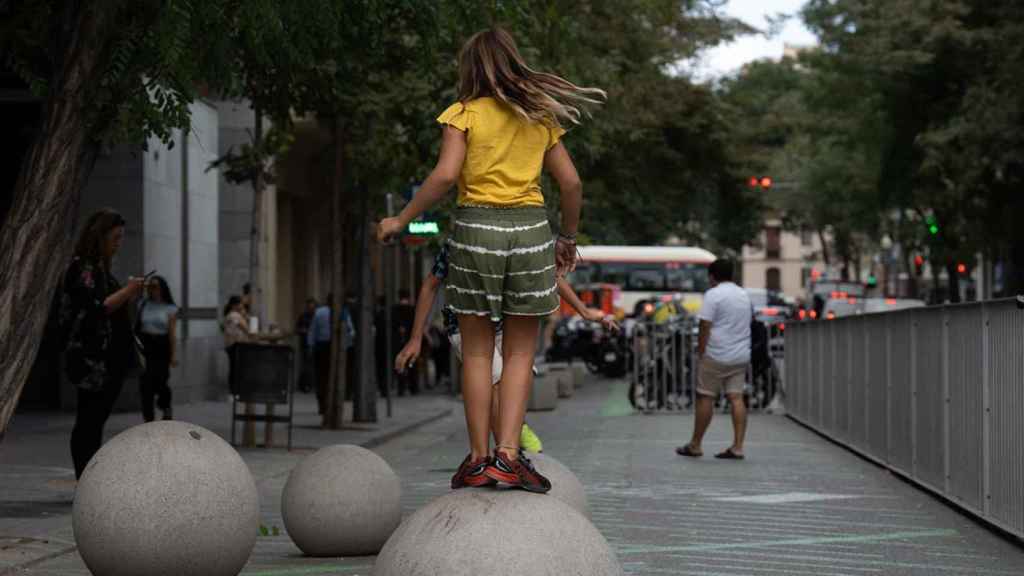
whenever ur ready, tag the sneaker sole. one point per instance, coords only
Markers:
(476, 482)
(513, 480)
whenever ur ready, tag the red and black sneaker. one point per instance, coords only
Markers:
(471, 473)
(517, 472)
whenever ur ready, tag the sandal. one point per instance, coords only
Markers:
(688, 451)
(728, 454)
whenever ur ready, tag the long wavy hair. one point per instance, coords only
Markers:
(490, 65)
(165, 290)
(93, 237)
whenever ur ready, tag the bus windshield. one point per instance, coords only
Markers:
(644, 276)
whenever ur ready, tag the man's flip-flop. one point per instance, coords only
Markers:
(687, 451)
(728, 454)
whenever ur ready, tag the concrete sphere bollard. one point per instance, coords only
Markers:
(564, 383)
(341, 500)
(509, 532)
(579, 373)
(543, 393)
(565, 486)
(166, 498)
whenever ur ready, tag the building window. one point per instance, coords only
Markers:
(773, 242)
(773, 279)
(805, 237)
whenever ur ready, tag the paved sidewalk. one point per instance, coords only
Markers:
(37, 477)
(798, 505)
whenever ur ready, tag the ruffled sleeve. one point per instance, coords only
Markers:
(457, 116)
(555, 134)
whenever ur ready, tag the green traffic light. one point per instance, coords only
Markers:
(934, 229)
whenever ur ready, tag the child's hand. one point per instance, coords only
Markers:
(606, 320)
(388, 229)
(407, 357)
(565, 256)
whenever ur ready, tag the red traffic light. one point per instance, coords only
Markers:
(918, 260)
(961, 268)
(766, 182)
(753, 181)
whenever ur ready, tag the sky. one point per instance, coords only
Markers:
(730, 57)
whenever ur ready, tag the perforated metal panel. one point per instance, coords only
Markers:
(965, 406)
(877, 383)
(1006, 417)
(842, 380)
(827, 387)
(858, 384)
(928, 399)
(901, 429)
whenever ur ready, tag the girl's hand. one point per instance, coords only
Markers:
(388, 229)
(610, 324)
(565, 256)
(407, 357)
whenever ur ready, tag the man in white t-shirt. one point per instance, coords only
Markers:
(724, 353)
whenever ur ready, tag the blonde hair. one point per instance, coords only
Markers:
(490, 65)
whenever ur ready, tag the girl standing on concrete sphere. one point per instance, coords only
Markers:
(504, 130)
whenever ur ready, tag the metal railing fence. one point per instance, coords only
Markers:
(934, 394)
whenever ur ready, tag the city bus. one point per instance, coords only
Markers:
(646, 272)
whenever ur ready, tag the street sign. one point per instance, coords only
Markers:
(423, 228)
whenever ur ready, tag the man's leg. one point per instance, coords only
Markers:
(739, 422)
(701, 420)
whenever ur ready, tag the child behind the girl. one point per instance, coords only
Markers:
(505, 128)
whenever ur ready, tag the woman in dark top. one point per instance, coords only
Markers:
(100, 345)
(157, 330)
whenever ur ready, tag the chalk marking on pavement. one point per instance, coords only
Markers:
(865, 538)
(617, 403)
(786, 498)
(298, 571)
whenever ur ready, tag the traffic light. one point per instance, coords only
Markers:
(872, 281)
(764, 182)
(918, 264)
(753, 182)
(961, 268)
(933, 225)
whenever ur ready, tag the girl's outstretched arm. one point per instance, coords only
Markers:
(560, 166)
(592, 314)
(441, 179)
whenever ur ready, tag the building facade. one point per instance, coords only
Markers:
(782, 259)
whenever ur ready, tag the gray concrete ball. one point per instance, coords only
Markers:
(166, 498)
(341, 500)
(564, 484)
(499, 532)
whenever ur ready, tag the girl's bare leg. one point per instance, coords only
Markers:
(495, 414)
(518, 348)
(477, 352)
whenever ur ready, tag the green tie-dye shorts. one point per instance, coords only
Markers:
(502, 261)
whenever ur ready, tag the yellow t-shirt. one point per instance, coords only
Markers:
(504, 153)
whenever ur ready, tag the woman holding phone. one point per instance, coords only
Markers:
(95, 319)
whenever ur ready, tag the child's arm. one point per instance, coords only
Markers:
(592, 314)
(433, 189)
(558, 163)
(411, 351)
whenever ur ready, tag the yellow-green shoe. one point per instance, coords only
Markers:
(529, 441)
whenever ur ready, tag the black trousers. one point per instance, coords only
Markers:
(94, 408)
(153, 384)
(322, 360)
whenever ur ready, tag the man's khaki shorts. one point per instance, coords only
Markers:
(713, 377)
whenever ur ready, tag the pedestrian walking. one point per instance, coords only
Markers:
(302, 324)
(505, 128)
(319, 341)
(723, 350)
(96, 326)
(156, 326)
(236, 329)
(528, 439)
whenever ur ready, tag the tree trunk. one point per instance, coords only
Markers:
(824, 248)
(37, 235)
(334, 415)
